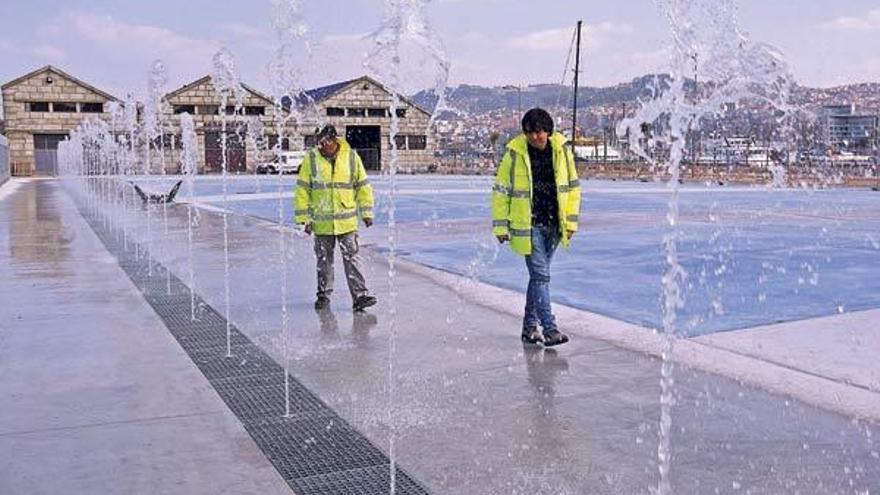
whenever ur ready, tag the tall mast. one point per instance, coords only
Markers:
(577, 69)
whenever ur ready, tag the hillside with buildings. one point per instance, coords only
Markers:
(840, 121)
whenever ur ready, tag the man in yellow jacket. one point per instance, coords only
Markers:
(331, 191)
(535, 204)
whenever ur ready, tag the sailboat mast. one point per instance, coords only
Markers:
(577, 70)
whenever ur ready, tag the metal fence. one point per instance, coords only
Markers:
(4, 159)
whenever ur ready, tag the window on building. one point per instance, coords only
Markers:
(178, 109)
(272, 140)
(37, 106)
(357, 112)
(209, 109)
(310, 141)
(417, 142)
(400, 140)
(173, 142)
(377, 112)
(230, 110)
(335, 112)
(91, 108)
(254, 110)
(167, 142)
(63, 107)
(401, 113)
(48, 141)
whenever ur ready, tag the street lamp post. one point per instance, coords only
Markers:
(518, 95)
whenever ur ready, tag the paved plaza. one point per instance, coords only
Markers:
(102, 394)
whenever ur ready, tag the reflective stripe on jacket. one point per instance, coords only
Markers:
(330, 196)
(512, 192)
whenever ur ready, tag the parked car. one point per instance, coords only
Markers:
(286, 163)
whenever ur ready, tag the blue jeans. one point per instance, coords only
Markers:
(544, 242)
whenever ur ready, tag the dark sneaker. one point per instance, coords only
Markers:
(363, 302)
(531, 335)
(554, 337)
(322, 302)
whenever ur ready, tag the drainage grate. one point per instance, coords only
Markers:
(365, 481)
(313, 448)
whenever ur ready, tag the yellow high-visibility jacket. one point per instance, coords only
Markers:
(512, 192)
(330, 195)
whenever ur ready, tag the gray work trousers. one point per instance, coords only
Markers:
(324, 249)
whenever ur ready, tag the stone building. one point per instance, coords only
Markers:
(250, 124)
(44, 106)
(41, 108)
(361, 111)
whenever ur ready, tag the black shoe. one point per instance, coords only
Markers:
(363, 302)
(554, 337)
(322, 302)
(531, 335)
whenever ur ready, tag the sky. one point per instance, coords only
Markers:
(112, 43)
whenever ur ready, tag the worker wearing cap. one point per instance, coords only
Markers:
(332, 192)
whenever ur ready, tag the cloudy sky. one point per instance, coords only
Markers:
(111, 43)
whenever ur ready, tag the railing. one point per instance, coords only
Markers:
(4, 159)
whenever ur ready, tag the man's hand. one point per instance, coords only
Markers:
(569, 234)
(502, 238)
(307, 228)
(368, 222)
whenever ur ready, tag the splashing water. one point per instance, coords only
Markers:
(226, 83)
(286, 78)
(130, 156)
(188, 160)
(706, 32)
(158, 82)
(403, 35)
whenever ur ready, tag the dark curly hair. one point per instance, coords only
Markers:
(537, 119)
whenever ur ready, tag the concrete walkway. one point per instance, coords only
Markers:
(97, 396)
(435, 375)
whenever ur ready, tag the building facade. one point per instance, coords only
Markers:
(249, 127)
(845, 130)
(41, 108)
(360, 109)
(44, 106)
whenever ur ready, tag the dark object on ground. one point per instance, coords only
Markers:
(158, 197)
(531, 335)
(364, 302)
(322, 302)
(555, 337)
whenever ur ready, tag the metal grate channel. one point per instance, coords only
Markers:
(314, 449)
(365, 481)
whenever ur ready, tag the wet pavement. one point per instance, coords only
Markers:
(97, 397)
(432, 375)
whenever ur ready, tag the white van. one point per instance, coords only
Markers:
(287, 162)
